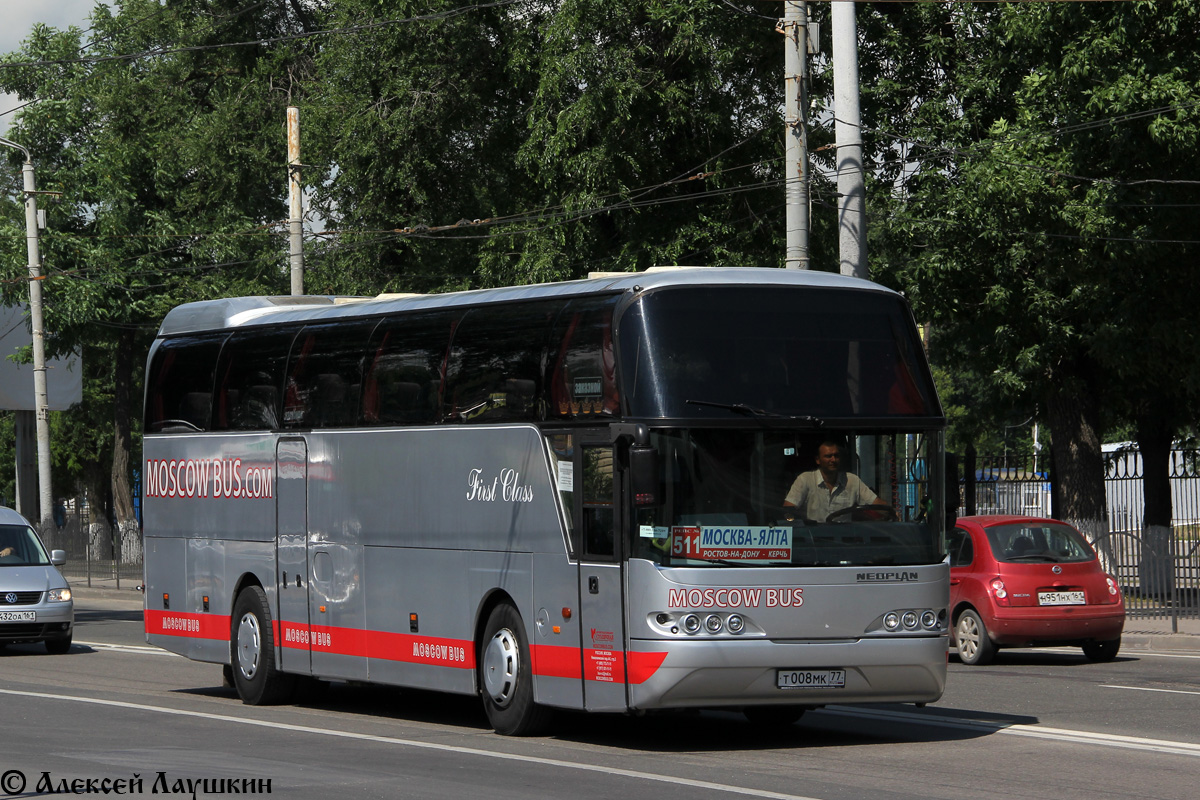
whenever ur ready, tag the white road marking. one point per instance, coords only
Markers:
(1129, 652)
(140, 649)
(1030, 731)
(1145, 689)
(471, 751)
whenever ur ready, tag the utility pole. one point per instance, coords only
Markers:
(40, 395)
(794, 27)
(852, 193)
(295, 197)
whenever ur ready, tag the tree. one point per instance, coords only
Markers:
(1045, 196)
(154, 132)
(537, 141)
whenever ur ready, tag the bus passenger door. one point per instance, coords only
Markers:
(291, 554)
(601, 604)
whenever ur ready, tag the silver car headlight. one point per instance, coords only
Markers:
(58, 595)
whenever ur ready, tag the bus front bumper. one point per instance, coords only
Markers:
(744, 672)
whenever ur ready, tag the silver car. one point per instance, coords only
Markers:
(35, 599)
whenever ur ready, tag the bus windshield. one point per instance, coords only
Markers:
(760, 498)
(840, 353)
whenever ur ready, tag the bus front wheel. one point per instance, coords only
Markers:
(505, 676)
(252, 652)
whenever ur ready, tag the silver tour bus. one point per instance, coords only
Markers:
(570, 495)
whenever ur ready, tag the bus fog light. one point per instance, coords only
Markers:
(691, 623)
(735, 623)
(713, 623)
(910, 620)
(891, 620)
(929, 620)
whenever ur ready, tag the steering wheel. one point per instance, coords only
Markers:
(869, 512)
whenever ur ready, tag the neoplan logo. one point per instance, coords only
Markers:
(888, 577)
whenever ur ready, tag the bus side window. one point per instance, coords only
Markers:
(249, 379)
(581, 373)
(494, 373)
(599, 519)
(324, 376)
(402, 374)
(562, 446)
(180, 384)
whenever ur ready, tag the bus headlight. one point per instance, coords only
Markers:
(691, 623)
(909, 620)
(929, 620)
(713, 623)
(735, 623)
(891, 620)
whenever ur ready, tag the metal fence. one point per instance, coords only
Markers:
(1158, 568)
(97, 550)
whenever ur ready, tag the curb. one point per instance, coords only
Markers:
(1160, 642)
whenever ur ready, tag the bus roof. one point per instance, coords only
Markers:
(234, 312)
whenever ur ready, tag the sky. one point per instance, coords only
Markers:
(17, 18)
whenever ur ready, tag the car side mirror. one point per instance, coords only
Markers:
(58, 557)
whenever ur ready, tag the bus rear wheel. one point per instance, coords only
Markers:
(505, 676)
(252, 652)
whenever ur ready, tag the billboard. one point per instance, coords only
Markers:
(64, 376)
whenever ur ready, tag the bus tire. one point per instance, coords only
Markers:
(506, 677)
(252, 652)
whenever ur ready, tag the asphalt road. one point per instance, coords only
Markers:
(1032, 725)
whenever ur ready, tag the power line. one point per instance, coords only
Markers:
(162, 51)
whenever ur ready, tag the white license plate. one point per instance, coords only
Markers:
(810, 678)
(1061, 599)
(18, 616)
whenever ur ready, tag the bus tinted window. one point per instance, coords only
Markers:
(405, 362)
(179, 386)
(325, 376)
(249, 377)
(581, 370)
(495, 368)
(790, 351)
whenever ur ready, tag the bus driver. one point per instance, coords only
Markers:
(826, 489)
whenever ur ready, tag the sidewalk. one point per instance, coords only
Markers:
(1141, 633)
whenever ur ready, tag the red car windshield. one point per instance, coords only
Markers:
(1044, 542)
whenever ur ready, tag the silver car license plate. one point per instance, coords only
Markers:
(1061, 599)
(18, 616)
(810, 678)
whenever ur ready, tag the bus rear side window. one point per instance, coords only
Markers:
(249, 378)
(180, 384)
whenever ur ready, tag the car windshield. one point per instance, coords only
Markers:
(20, 547)
(723, 500)
(1038, 542)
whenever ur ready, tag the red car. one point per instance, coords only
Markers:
(1026, 582)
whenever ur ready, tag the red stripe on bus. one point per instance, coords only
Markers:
(551, 661)
(643, 665)
(555, 661)
(194, 626)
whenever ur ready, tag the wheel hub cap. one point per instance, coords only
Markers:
(501, 666)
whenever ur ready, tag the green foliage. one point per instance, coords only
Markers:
(1042, 226)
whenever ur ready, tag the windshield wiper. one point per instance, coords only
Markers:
(759, 413)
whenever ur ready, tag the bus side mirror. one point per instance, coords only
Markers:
(643, 474)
